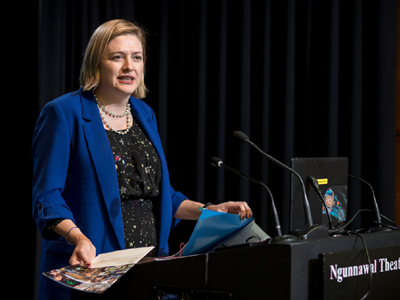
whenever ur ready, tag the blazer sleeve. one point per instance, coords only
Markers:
(50, 153)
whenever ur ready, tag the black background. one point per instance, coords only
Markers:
(300, 78)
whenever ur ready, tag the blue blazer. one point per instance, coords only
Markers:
(75, 178)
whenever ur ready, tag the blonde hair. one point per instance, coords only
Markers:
(102, 36)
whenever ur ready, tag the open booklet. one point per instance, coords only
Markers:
(106, 269)
(217, 229)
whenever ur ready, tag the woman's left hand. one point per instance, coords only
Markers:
(232, 207)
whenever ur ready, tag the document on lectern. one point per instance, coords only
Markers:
(106, 269)
(217, 229)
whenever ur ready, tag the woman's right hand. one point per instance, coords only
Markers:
(84, 251)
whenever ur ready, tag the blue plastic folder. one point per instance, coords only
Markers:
(214, 229)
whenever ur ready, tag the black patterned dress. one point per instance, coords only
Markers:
(139, 174)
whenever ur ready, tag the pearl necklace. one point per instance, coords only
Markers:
(126, 113)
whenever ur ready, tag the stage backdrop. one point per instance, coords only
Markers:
(300, 78)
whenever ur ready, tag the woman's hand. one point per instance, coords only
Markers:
(232, 207)
(83, 254)
(84, 251)
(189, 210)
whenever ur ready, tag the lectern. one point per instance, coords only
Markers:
(270, 271)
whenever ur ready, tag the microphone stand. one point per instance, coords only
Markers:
(380, 228)
(311, 230)
(216, 162)
(314, 184)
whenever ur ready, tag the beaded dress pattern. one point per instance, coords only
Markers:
(139, 175)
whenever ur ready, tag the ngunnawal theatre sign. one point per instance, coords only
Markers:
(347, 275)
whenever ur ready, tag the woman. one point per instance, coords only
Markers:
(99, 168)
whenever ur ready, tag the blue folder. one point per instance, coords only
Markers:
(214, 229)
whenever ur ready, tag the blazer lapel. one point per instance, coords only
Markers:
(148, 125)
(100, 151)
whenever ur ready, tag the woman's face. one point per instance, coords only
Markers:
(122, 66)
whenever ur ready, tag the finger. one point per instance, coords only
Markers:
(89, 256)
(79, 259)
(74, 260)
(248, 213)
(243, 215)
(244, 210)
(84, 261)
(83, 255)
(247, 210)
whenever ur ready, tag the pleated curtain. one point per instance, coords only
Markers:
(302, 78)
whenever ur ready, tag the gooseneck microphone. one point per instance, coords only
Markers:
(376, 208)
(311, 230)
(217, 162)
(315, 185)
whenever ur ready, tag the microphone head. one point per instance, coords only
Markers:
(216, 162)
(312, 179)
(241, 137)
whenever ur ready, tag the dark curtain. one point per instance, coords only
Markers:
(305, 78)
